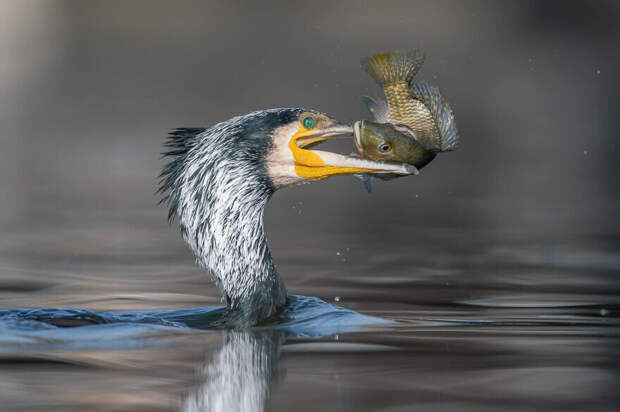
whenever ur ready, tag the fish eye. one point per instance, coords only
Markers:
(308, 122)
(385, 147)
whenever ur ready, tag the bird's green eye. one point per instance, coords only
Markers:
(308, 122)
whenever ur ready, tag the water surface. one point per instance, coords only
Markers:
(509, 325)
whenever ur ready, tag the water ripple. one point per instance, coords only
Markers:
(304, 317)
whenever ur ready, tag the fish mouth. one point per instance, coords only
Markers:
(318, 164)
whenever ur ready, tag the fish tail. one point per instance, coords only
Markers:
(395, 67)
(442, 113)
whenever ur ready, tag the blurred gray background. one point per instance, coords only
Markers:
(89, 90)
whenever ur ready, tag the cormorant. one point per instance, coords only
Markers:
(219, 180)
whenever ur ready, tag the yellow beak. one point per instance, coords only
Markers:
(317, 165)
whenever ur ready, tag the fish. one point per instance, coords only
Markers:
(388, 142)
(418, 112)
(418, 105)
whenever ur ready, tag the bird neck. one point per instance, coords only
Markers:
(223, 223)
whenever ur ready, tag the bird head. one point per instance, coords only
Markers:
(255, 154)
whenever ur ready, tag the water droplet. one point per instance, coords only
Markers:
(532, 61)
(337, 253)
(337, 299)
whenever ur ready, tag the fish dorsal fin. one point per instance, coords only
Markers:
(378, 109)
(395, 67)
(442, 113)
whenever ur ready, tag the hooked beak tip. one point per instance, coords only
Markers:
(411, 169)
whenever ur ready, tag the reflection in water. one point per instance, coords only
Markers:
(240, 374)
(237, 377)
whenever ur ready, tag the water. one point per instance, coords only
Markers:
(484, 326)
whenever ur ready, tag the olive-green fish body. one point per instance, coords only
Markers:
(404, 109)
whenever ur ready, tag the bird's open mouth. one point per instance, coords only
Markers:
(318, 164)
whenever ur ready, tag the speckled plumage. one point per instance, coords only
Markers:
(217, 186)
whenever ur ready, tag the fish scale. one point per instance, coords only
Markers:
(404, 109)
